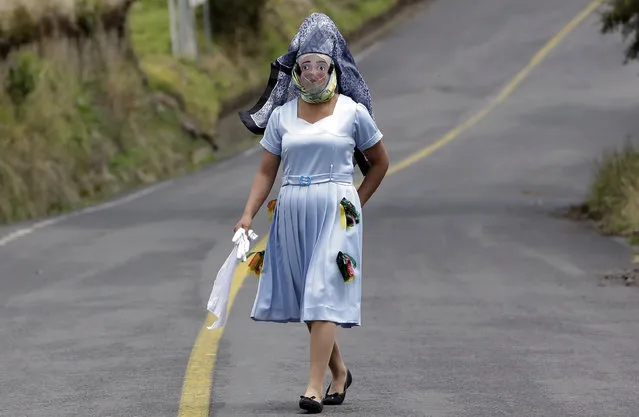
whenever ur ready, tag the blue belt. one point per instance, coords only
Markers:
(306, 180)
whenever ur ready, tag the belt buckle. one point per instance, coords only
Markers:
(305, 180)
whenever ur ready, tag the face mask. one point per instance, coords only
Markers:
(314, 77)
(313, 73)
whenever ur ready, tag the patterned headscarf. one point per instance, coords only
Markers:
(318, 34)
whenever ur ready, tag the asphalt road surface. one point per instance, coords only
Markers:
(479, 301)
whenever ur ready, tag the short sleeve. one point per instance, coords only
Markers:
(366, 133)
(272, 140)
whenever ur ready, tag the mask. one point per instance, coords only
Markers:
(316, 78)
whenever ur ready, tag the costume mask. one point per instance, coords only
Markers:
(315, 76)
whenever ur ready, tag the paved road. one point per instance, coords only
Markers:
(478, 300)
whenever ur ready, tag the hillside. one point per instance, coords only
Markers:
(93, 104)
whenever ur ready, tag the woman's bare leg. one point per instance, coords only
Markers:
(337, 367)
(322, 342)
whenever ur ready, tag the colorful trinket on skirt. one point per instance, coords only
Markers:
(346, 266)
(348, 214)
(256, 263)
(271, 208)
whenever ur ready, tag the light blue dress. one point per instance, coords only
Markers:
(300, 280)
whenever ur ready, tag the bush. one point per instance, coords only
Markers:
(20, 81)
(613, 200)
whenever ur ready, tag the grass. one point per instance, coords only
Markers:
(83, 132)
(613, 199)
(77, 122)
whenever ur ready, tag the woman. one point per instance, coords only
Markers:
(315, 115)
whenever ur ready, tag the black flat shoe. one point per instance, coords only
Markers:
(311, 405)
(338, 397)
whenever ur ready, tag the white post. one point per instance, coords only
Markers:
(173, 26)
(188, 41)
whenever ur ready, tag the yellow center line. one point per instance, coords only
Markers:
(196, 389)
(198, 378)
(506, 91)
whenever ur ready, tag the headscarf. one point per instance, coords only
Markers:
(318, 34)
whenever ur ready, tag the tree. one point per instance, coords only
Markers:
(623, 16)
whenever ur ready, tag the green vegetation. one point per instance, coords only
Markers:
(69, 140)
(623, 16)
(613, 198)
(96, 112)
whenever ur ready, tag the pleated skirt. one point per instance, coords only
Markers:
(312, 266)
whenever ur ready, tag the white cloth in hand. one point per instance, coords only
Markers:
(242, 242)
(220, 294)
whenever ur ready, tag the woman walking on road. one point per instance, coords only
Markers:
(316, 116)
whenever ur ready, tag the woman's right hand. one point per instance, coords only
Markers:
(245, 223)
